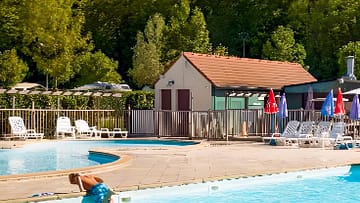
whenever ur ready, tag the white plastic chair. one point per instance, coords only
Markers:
(281, 138)
(18, 129)
(322, 130)
(63, 127)
(83, 128)
(338, 138)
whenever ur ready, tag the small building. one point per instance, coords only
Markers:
(202, 82)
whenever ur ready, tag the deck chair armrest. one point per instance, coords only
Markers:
(30, 131)
(92, 128)
(275, 134)
(305, 135)
(324, 134)
(104, 129)
(347, 138)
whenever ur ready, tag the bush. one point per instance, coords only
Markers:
(132, 100)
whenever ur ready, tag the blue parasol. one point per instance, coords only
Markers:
(283, 111)
(355, 108)
(327, 108)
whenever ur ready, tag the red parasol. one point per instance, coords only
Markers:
(271, 106)
(339, 107)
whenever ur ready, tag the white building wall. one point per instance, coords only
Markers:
(185, 76)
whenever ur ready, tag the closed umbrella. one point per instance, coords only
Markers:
(271, 108)
(355, 108)
(327, 108)
(309, 102)
(355, 114)
(339, 107)
(283, 111)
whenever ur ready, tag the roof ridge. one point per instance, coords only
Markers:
(239, 58)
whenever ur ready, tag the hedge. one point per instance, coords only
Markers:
(132, 100)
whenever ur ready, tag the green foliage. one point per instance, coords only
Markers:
(282, 47)
(148, 53)
(132, 100)
(350, 49)
(187, 31)
(9, 28)
(13, 69)
(52, 36)
(325, 26)
(55, 37)
(220, 50)
(139, 99)
(96, 67)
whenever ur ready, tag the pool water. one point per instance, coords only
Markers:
(60, 155)
(339, 184)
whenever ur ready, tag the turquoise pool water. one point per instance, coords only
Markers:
(339, 184)
(60, 155)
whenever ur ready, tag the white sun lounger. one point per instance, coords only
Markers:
(64, 127)
(112, 133)
(18, 129)
(281, 138)
(83, 129)
(321, 132)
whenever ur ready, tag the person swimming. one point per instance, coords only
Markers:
(93, 185)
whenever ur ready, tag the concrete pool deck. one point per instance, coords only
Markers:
(161, 166)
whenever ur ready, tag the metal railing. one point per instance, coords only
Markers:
(197, 124)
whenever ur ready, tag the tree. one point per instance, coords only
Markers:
(95, 67)
(325, 26)
(52, 36)
(187, 31)
(350, 49)
(13, 69)
(148, 52)
(282, 47)
(9, 28)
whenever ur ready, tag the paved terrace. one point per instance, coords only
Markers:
(159, 166)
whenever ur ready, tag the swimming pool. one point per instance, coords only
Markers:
(339, 184)
(61, 155)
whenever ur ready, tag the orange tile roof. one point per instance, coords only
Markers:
(223, 71)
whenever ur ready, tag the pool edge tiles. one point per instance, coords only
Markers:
(221, 185)
(227, 184)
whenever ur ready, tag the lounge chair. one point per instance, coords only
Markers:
(63, 127)
(281, 138)
(112, 133)
(83, 128)
(337, 137)
(18, 129)
(322, 130)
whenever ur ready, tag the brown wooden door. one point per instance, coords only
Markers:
(165, 99)
(183, 103)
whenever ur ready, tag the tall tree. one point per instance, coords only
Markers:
(148, 52)
(187, 31)
(13, 69)
(325, 26)
(282, 47)
(52, 36)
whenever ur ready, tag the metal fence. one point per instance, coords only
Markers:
(44, 120)
(196, 124)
